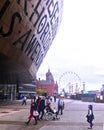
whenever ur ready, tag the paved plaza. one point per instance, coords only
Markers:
(14, 116)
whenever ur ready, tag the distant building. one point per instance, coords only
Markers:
(28, 90)
(48, 85)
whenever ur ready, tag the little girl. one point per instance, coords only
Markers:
(90, 116)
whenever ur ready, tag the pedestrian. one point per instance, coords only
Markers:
(47, 102)
(54, 98)
(33, 108)
(90, 116)
(60, 106)
(41, 108)
(38, 104)
(24, 100)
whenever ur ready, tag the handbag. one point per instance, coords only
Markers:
(36, 113)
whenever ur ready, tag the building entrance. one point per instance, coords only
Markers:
(8, 92)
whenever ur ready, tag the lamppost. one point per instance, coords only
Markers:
(84, 86)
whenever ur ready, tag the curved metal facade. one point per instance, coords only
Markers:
(27, 29)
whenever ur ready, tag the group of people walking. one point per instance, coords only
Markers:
(38, 106)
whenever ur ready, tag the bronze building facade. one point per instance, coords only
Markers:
(27, 29)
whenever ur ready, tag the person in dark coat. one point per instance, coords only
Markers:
(54, 98)
(41, 107)
(33, 107)
(90, 116)
(38, 104)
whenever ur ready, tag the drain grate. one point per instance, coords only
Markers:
(4, 112)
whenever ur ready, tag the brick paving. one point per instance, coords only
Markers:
(14, 115)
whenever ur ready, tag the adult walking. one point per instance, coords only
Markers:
(33, 108)
(90, 116)
(60, 105)
(24, 100)
(54, 98)
(41, 107)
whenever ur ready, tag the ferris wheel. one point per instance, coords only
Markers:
(70, 82)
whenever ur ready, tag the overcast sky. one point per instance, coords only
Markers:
(79, 45)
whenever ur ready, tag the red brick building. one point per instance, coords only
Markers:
(49, 85)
